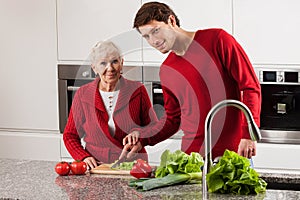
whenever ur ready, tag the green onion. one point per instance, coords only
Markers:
(170, 179)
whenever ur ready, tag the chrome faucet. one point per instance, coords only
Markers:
(253, 130)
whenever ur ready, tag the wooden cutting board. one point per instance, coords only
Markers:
(106, 169)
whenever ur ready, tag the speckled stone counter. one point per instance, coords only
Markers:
(24, 179)
(282, 180)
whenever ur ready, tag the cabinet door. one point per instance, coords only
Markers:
(268, 30)
(194, 15)
(28, 82)
(82, 23)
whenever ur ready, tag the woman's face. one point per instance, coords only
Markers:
(109, 68)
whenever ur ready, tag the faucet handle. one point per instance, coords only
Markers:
(254, 131)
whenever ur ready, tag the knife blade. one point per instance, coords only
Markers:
(117, 164)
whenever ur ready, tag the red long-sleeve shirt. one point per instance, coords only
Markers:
(214, 68)
(88, 118)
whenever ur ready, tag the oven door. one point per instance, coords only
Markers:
(280, 107)
(67, 89)
(280, 113)
(156, 96)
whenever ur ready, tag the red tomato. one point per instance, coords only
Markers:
(78, 167)
(141, 169)
(62, 168)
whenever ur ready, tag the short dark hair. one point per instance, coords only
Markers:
(153, 11)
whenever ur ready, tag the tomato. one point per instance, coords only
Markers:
(141, 169)
(62, 168)
(78, 167)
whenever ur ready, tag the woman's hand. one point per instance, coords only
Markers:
(130, 151)
(131, 145)
(91, 162)
(132, 138)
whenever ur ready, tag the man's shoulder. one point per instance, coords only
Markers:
(211, 31)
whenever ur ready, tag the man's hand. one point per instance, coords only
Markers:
(247, 148)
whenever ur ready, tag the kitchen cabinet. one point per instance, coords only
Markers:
(194, 15)
(268, 30)
(28, 83)
(30, 144)
(81, 24)
(28, 65)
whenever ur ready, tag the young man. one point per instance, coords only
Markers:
(202, 69)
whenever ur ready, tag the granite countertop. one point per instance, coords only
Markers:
(27, 179)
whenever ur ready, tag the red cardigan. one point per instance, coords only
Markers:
(214, 68)
(88, 118)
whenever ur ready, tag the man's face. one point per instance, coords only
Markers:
(159, 35)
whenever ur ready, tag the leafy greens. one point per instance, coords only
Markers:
(175, 168)
(178, 162)
(233, 174)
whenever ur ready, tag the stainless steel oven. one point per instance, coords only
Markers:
(280, 110)
(156, 96)
(153, 86)
(71, 77)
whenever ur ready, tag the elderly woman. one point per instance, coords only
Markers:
(105, 110)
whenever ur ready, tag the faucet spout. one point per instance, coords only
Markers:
(253, 130)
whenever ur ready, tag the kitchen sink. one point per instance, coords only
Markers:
(283, 186)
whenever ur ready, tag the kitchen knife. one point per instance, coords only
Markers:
(117, 164)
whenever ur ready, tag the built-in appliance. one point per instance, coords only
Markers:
(280, 110)
(70, 78)
(156, 96)
(152, 83)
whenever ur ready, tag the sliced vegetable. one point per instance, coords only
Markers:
(178, 162)
(125, 166)
(170, 179)
(233, 174)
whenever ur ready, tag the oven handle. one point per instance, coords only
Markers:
(157, 91)
(73, 88)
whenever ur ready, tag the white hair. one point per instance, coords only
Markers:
(103, 49)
